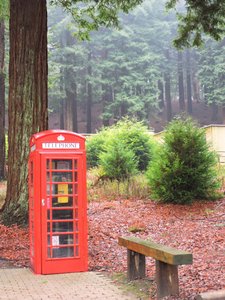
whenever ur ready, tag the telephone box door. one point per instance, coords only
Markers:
(63, 213)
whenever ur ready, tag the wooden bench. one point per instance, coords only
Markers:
(167, 261)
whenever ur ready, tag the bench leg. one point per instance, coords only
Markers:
(166, 279)
(135, 265)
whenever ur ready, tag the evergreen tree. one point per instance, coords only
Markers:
(184, 168)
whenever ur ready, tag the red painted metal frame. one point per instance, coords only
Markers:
(40, 263)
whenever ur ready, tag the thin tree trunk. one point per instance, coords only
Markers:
(2, 100)
(74, 107)
(167, 80)
(62, 108)
(168, 97)
(180, 81)
(189, 89)
(123, 109)
(161, 94)
(69, 110)
(106, 95)
(27, 98)
(215, 111)
(89, 95)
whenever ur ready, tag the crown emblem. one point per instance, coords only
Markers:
(60, 138)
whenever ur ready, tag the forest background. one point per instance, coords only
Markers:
(133, 71)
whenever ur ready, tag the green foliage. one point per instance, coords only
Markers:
(184, 168)
(211, 72)
(118, 161)
(4, 9)
(136, 137)
(126, 64)
(91, 15)
(200, 17)
(95, 146)
(133, 135)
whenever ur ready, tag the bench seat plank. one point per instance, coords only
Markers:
(158, 252)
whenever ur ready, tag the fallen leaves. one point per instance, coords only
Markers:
(192, 228)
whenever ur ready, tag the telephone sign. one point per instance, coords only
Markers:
(57, 202)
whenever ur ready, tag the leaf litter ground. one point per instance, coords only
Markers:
(198, 228)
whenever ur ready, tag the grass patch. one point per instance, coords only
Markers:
(144, 288)
(103, 188)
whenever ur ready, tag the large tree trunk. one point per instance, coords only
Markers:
(27, 98)
(180, 81)
(2, 101)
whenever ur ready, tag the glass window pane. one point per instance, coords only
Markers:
(62, 226)
(62, 176)
(63, 252)
(63, 239)
(48, 177)
(75, 176)
(59, 202)
(62, 189)
(59, 164)
(62, 214)
(76, 239)
(49, 252)
(48, 189)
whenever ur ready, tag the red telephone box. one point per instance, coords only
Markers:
(57, 202)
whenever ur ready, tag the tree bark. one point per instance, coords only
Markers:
(89, 95)
(161, 94)
(27, 98)
(74, 108)
(168, 97)
(167, 80)
(180, 81)
(62, 102)
(2, 100)
(215, 111)
(189, 89)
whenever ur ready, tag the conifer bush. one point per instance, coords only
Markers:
(184, 168)
(94, 146)
(117, 161)
(131, 133)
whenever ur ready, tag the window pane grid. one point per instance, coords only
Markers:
(62, 212)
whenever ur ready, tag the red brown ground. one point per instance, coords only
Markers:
(199, 228)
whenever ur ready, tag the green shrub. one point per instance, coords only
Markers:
(133, 134)
(137, 138)
(94, 146)
(118, 161)
(184, 168)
